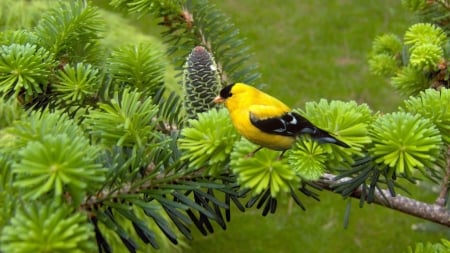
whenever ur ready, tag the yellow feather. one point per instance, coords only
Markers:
(266, 111)
(246, 99)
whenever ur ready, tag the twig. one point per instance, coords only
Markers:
(442, 198)
(94, 201)
(432, 212)
(444, 4)
(165, 127)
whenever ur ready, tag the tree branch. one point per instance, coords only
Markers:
(442, 198)
(432, 212)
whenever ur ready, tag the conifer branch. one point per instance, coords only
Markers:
(130, 188)
(445, 187)
(444, 4)
(432, 212)
(199, 23)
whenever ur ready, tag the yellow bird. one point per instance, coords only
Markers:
(266, 121)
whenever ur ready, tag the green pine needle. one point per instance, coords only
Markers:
(201, 23)
(46, 227)
(383, 64)
(141, 8)
(9, 112)
(434, 105)
(263, 170)
(405, 142)
(20, 14)
(425, 33)
(78, 82)
(71, 31)
(410, 81)
(24, 69)
(389, 44)
(426, 57)
(38, 125)
(52, 156)
(385, 56)
(415, 5)
(208, 141)
(20, 37)
(214, 28)
(140, 66)
(56, 165)
(127, 120)
(308, 158)
(428, 247)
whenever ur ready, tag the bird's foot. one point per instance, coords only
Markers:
(281, 155)
(251, 154)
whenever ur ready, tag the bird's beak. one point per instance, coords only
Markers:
(218, 100)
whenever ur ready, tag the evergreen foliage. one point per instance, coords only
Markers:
(95, 154)
(34, 220)
(419, 61)
(403, 142)
(431, 248)
(25, 69)
(209, 140)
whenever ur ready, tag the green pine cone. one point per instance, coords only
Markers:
(201, 82)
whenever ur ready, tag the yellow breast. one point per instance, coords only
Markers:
(246, 100)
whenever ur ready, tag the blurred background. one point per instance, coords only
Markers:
(308, 50)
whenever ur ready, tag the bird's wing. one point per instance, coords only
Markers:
(272, 119)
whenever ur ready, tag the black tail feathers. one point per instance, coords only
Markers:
(322, 136)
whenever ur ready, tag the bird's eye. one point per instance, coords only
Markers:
(226, 91)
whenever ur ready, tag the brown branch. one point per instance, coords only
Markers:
(445, 183)
(432, 212)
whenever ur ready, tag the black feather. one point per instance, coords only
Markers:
(285, 125)
(226, 91)
(293, 124)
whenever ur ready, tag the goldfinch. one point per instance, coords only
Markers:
(266, 121)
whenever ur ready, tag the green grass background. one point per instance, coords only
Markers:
(308, 50)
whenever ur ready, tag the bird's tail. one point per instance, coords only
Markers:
(322, 136)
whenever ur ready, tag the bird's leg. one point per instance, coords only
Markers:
(251, 154)
(281, 155)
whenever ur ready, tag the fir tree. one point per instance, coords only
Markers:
(98, 154)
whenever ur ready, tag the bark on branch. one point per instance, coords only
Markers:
(432, 212)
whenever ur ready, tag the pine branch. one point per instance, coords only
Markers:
(200, 23)
(443, 194)
(128, 188)
(432, 212)
(444, 4)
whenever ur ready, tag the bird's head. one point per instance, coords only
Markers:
(233, 91)
(224, 94)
